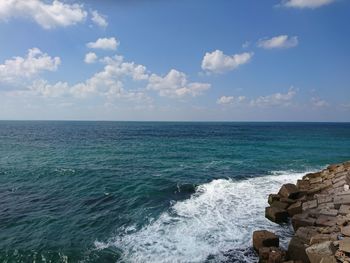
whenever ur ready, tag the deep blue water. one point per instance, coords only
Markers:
(136, 191)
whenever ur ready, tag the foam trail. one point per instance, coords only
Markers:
(220, 216)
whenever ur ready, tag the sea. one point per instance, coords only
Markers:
(74, 191)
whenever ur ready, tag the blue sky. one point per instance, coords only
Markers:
(243, 60)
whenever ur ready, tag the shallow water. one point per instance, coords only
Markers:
(149, 192)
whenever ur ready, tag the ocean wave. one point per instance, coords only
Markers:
(218, 218)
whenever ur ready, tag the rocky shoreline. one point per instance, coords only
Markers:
(318, 207)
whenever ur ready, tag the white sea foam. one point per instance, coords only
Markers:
(220, 216)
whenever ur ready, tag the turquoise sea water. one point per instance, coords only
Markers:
(149, 191)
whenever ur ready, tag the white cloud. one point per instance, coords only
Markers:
(276, 99)
(282, 41)
(43, 88)
(226, 100)
(317, 102)
(104, 43)
(218, 62)
(26, 67)
(176, 85)
(99, 19)
(306, 3)
(46, 15)
(90, 58)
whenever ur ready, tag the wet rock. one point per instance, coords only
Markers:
(289, 191)
(276, 214)
(320, 251)
(264, 238)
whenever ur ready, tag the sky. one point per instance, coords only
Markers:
(175, 60)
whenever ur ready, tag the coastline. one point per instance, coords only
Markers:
(318, 208)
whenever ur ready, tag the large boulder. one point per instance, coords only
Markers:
(289, 191)
(320, 251)
(295, 208)
(276, 214)
(264, 238)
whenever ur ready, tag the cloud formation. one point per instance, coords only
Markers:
(276, 99)
(31, 65)
(56, 14)
(104, 43)
(99, 19)
(218, 62)
(229, 100)
(175, 85)
(319, 103)
(306, 3)
(282, 41)
(90, 58)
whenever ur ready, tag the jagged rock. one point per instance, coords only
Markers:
(264, 238)
(344, 244)
(264, 253)
(311, 175)
(279, 204)
(295, 208)
(287, 200)
(319, 251)
(276, 214)
(289, 191)
(296, 250)
(323, 198)
(272, 198)
(316, 180)
(329, 212)
(276, 256)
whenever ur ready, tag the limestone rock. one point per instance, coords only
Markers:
(344, 245)
(264, 238)
(319, 251)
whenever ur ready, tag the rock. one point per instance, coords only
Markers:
(330, 259)
(279, 204)
(344, 209)
(303, 184)
(264, 253)
(287, 200)
(323, 198)
(296, 250)
(276, 214)
(264, 238)
(341, 200)
(319, 238)
(344, 244)
(329, 212)
(319, 251)
(300, 220)
(289, 191)
(326, 221)
(276, 256)
(345, 230)
(272, 198)
(309, 204)
(316, 180)
(295, 208)
(306, 233)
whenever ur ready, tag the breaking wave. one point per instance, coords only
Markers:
(214, 225)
